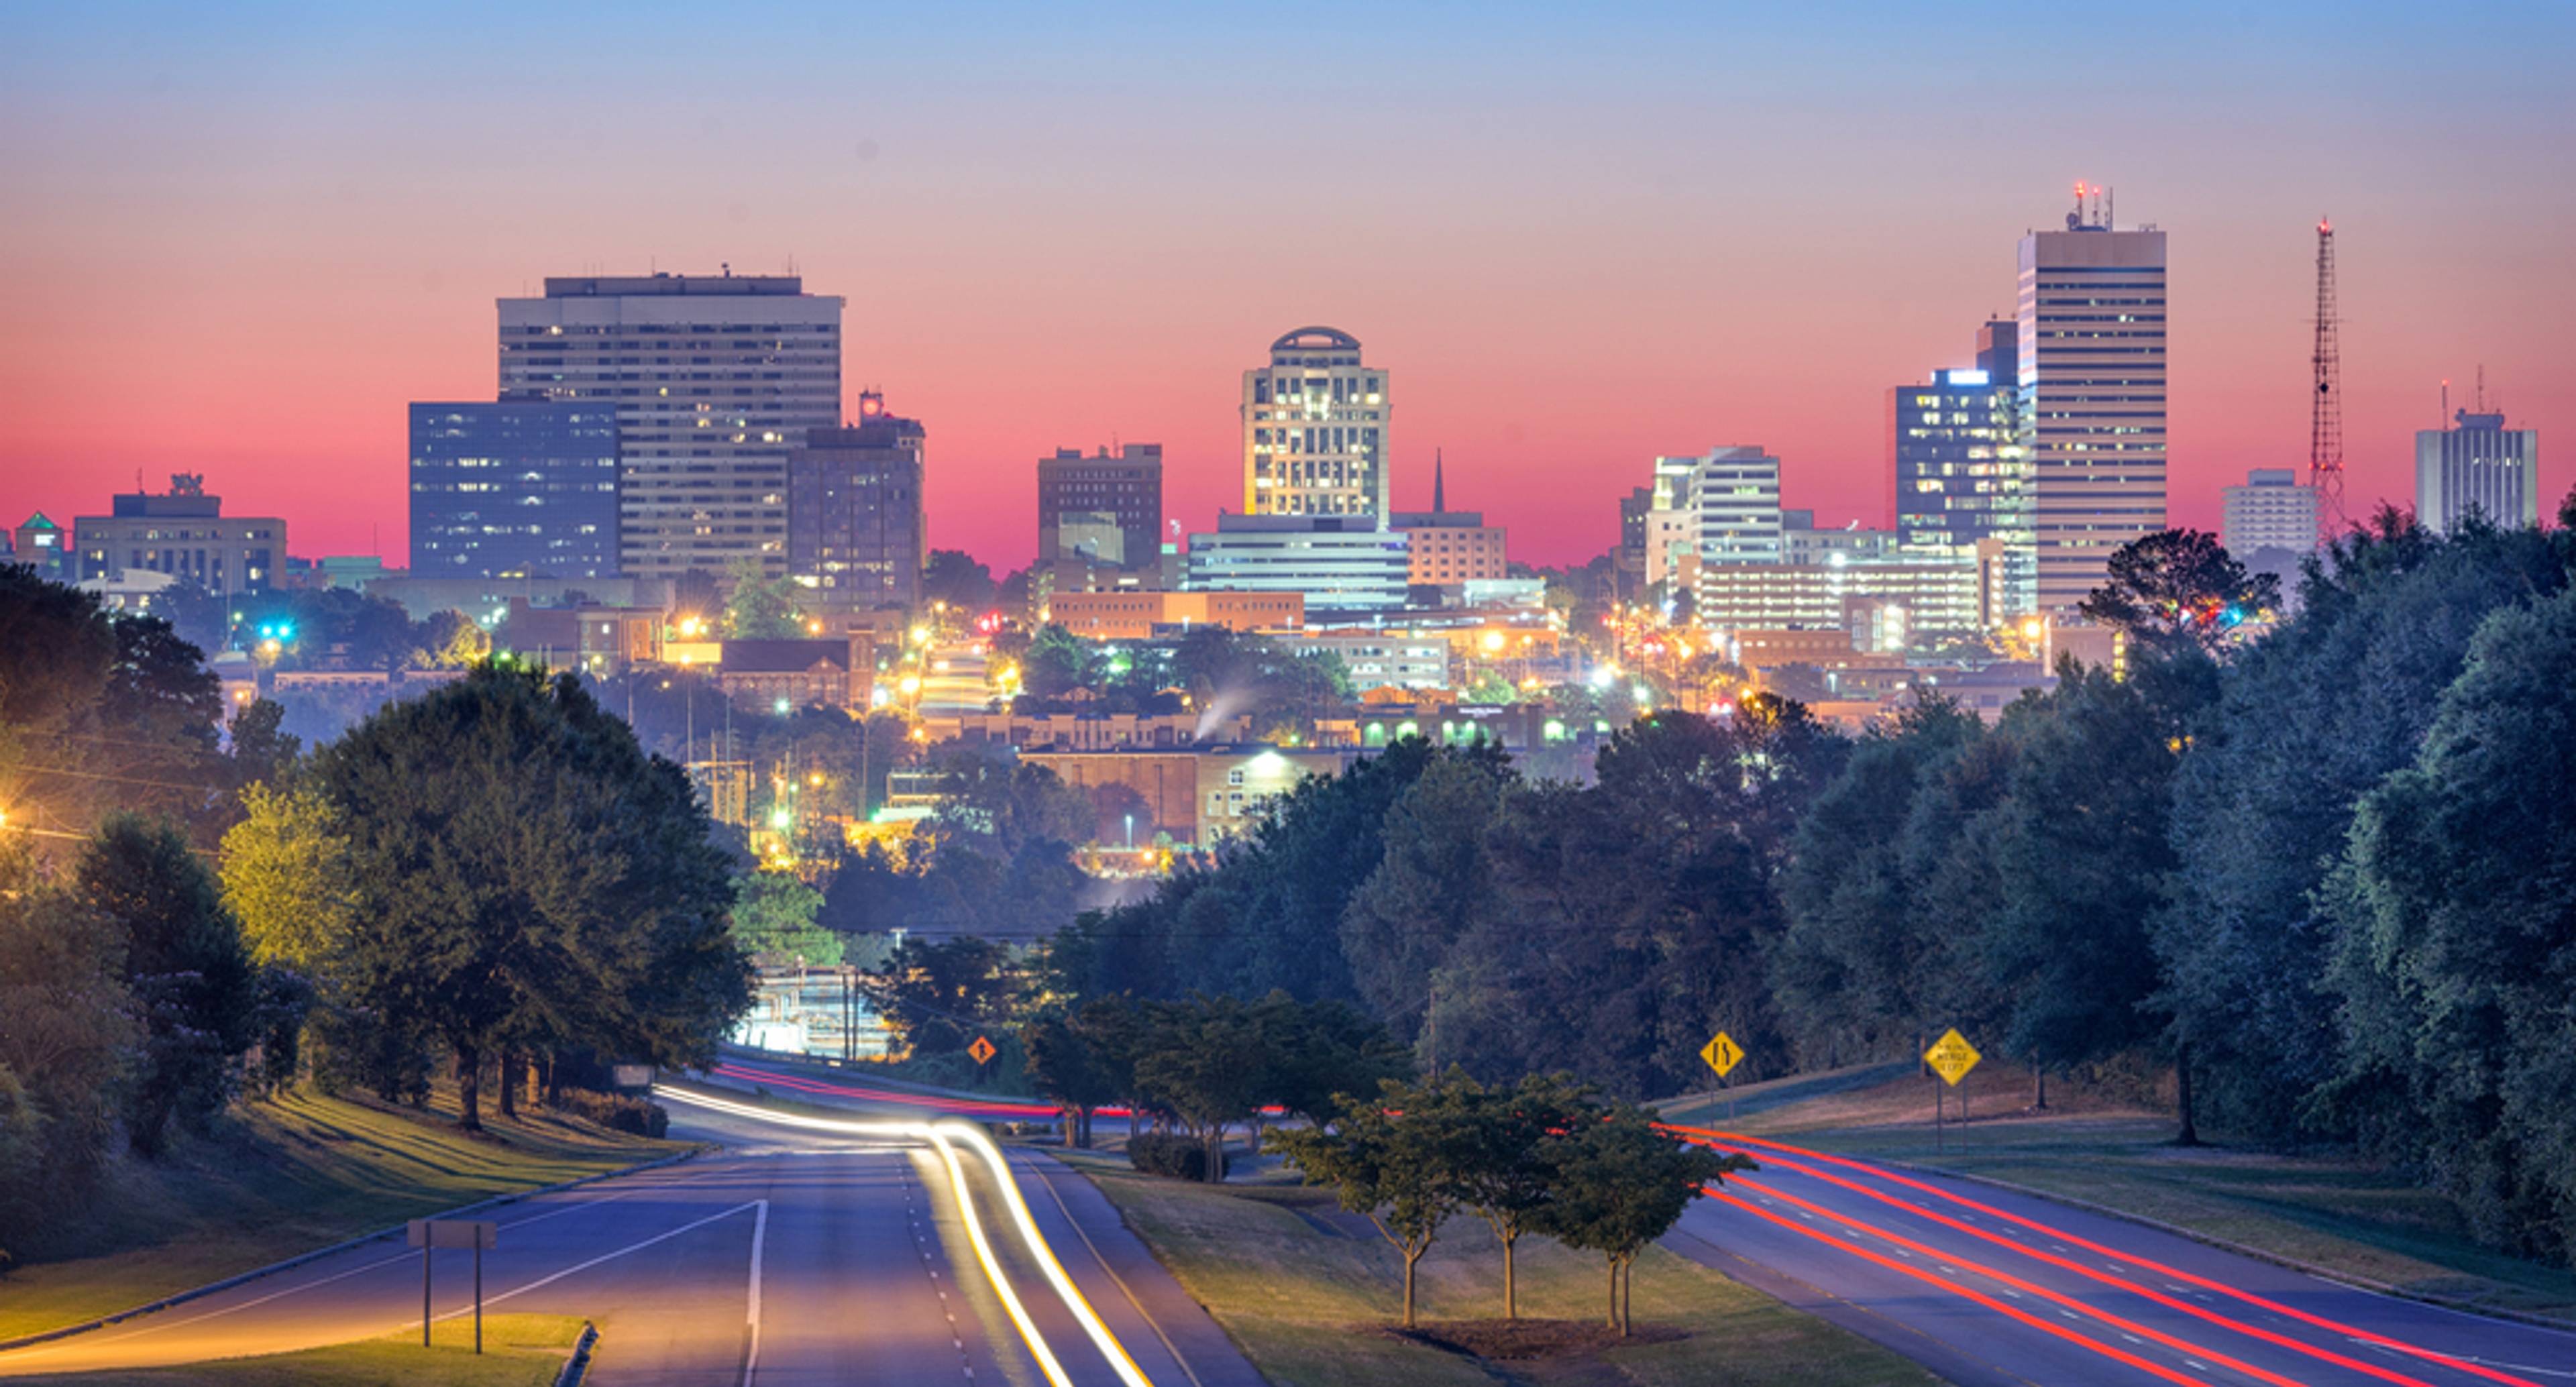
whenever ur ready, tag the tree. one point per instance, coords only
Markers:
(61, 646)
(69, 1034)
(2310, 720)
(1383, 1162)
(2457, 903)
(1057, 662)
(758, 608)
(1315, 1053)
(1433, 884)
(262, 748)
(2085, 859)
(526, 874)
(937, 994)
(185, 964)
(1204, 1061)
(1864, 957)
(773, 920)
(1619, 1184)
(451, 640)
(1066, 1065)
(1496, 1147)
(955, 577)
(287, 878)
(2179, 586)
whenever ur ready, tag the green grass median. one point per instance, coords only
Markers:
(518, 1351)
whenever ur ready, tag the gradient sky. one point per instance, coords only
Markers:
(238, 239)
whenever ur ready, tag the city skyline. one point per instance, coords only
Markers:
(1660, 300)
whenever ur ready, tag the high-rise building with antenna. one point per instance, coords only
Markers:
(2091, 358)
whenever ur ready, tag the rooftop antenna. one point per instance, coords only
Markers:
(2446, 402)
(2325, 419)
(2482, 389)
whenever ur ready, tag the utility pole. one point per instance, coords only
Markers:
(2325, 418)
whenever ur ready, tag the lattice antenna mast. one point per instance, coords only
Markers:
(2325, 422)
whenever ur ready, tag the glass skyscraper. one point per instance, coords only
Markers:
(1962, 474)
(518, 487)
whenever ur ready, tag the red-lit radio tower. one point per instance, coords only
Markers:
(2325, 422)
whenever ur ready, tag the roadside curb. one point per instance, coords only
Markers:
(210, 1288)
(2341, 1278)
(578, 1366)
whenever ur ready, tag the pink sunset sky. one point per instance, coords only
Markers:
(240, 243)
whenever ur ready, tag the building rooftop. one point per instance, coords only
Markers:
(670, 285)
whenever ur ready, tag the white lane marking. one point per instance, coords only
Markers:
(578, 1268)
(751, 1307)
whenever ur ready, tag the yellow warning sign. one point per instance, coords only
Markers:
(1722, 1053)
(983, 1051)
(1952, 1057)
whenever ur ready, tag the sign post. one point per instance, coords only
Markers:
(430, 1234)
(1951, 1057)
(1722, 1054)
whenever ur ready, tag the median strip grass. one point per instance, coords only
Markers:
(2330, 1211)
(518, 1351)
(284, 1177)
(1310, 1294)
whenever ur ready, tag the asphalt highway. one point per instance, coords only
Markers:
(794, 1256)
(1987, 1287)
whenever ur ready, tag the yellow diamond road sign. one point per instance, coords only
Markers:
(1722, 1053)
(1952, 1057)
(983, 1051)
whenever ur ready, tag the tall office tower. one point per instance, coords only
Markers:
(1735, 498)
(1961, 472)
(1075, 493)
(2091, 347)
(713, 377)
(182, 532)
(857, 531)
(2478, 467)
(1315, 429)
(520, 487)
(2272, 510)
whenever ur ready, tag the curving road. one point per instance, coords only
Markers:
(1988, 1287)
(794, 1256)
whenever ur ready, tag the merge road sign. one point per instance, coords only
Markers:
(1722, 1053)
(1952, 1057)
(982, 1050)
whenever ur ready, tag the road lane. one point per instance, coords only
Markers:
(2017, 1288)
(857, 1280)
(1167, 1335)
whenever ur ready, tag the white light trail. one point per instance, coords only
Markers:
(941, 1134)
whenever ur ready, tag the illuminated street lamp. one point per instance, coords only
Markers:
(783, 707)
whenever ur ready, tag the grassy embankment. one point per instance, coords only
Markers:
(518, 1351)
(1309, 1293)
(286, 1177)
(2328, 1210)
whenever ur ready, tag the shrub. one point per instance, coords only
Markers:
(617, 1112)
(1171, 1154)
